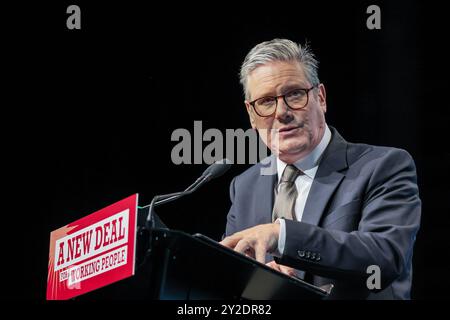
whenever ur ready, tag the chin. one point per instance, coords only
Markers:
(293, 146)
(292, 153)
(288, 158)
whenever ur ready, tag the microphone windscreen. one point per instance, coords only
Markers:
(217, 169)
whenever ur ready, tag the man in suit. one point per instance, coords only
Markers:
(331, 211)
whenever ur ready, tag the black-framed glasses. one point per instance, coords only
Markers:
(295, 99)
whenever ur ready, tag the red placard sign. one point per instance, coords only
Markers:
(93, 251)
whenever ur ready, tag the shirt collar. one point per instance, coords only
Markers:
(309, 163)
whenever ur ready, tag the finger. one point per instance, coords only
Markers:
(287, 270)
(229, 242)
(243, 246)
(273, 265)
(260, 253)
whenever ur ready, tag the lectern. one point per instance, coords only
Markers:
(195, 267)
(174, 265)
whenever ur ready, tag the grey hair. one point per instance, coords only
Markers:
(279, 50)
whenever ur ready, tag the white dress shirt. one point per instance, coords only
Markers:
(308, 165)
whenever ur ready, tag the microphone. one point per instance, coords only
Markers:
(215, 170)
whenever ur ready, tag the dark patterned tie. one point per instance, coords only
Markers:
(286, 195)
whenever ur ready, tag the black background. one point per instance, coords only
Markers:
(89, 113)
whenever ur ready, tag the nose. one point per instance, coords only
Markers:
(282, 113)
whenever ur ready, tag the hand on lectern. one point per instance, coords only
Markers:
(255, 242)
(282, 268)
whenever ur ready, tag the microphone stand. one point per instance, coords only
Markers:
(158, 200)
(145, 232)
(166, 198)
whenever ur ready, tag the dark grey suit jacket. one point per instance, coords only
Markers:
(363, 209)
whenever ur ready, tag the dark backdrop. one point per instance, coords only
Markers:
(93, 110)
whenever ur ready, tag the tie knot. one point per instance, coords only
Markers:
(290, 173)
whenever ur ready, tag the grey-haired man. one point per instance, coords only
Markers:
(331, 208)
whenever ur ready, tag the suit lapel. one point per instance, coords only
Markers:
(265, 192)
(327, 179)
(321, 191)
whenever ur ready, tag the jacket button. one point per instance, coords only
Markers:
(313, 256)
(301, 253)
(318, 258)
(308, 254)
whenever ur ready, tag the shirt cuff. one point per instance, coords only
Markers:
(281, 238)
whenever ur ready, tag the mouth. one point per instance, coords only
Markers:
(286, 130)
